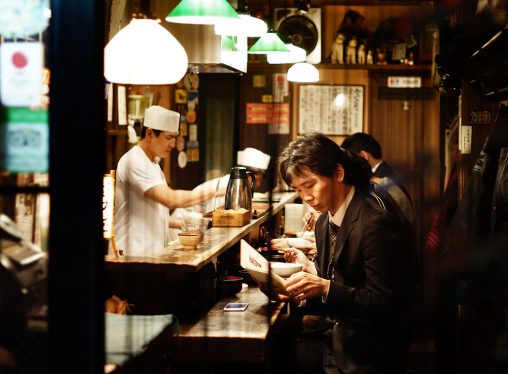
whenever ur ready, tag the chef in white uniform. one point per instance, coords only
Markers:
(143, 197)
(251, 158)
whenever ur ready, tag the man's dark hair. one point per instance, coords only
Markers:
(321, 155)
(143, 132)
(361, 141)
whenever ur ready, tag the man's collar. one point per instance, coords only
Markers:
(338, 217)
(376, 166)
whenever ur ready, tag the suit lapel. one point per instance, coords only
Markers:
(348, 223)
(322, 232)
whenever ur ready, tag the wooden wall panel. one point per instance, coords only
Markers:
(256, 135)
(410, 140)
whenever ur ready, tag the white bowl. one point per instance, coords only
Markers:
(285, 269)
(298, 242)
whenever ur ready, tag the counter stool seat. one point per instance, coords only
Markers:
(135, 342)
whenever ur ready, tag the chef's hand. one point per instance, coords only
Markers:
(175, 223)
(301, 286)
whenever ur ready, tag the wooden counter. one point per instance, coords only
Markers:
(216, 240)
(222, 337)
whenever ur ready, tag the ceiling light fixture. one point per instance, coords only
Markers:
(246, 26)
(144, 53)
(303, 72)
(202, 12)
(295, 54)
(269, 42)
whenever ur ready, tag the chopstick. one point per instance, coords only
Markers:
(307, 223)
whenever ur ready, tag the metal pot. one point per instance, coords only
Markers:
(239, 191)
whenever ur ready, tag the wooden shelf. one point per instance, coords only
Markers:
(257, 66)
(386, 67)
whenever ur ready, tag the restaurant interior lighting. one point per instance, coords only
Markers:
(340, 100)
(303, 72)
(295, 54)
(246, 26)
(144, 53)
(269, 43)
(202, 12)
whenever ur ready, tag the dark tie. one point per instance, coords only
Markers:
(333, 231)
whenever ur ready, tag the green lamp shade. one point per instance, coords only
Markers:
(268, 43)
(202, 12)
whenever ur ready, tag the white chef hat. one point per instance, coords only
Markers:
(253, 158)
(159, 118)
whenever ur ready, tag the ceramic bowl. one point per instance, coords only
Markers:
(298, 242)
(285, 269)
(190, 239)
(230, 285)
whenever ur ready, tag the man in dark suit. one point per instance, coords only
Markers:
(367, 147)
(360, 278)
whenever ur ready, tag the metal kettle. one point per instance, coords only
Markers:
(239, 191)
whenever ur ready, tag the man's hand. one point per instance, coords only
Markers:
(279, 243)
(296, 255)
(272, 295)
(301, 286)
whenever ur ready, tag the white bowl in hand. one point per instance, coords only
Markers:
(299, 242)
(285, 269)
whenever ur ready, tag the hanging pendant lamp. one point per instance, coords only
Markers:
(246, 26)
(144, 53)
(295, 54)
(303, 72)
(269, 43)
(202, 12)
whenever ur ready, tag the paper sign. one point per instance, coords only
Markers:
(193, 132)
(257, 113)
(108, 199)
(20, 18)
(280, 87)
(25, 140)
(122, 106)
(466, 133)
(21, 74)
(404, 82)
(109, 94)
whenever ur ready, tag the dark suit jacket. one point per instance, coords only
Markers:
(369, 296)
(385, 170)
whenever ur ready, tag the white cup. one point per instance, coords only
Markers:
(293, 218)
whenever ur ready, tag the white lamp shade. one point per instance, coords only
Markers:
(144, 53)
(295, 54)
(245, 26)
(303, 72)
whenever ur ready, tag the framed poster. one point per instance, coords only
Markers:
(331, 109)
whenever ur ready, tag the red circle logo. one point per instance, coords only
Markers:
(19, 60)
